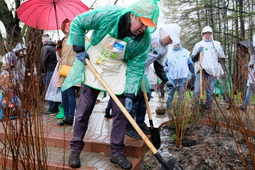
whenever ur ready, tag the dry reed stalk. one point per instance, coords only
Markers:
(24, 136)
(181, 117)
(243, 121)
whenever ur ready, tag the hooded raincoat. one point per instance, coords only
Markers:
(212, 51)
(15, 65)
(179, 64)
(158, 51)
(105, 22)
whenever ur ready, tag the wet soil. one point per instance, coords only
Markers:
(203, 148)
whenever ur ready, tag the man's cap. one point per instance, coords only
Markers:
(148, 9)
(176, 40)
(207, 29)
(148, 22)
(173, 30)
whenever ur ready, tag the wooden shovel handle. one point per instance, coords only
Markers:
(147, 105)
(201, 75)
(122, 108)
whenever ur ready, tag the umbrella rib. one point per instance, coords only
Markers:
(40, 14)
(44, 6)
(58, 6)
(29, 15)
(55, 10)
(65, 13)
(33, 12)
(74, 14)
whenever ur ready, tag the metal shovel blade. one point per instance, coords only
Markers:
(171, 164)
(155, 137)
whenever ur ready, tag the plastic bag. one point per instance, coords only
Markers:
(53, 93)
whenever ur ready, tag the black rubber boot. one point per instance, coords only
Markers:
(121, 161)
(132, 133)
(74, 160)
(66, 121)
(107, 114)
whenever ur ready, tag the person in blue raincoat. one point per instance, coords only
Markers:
(179, 66)
(10, 104)
(118, 49)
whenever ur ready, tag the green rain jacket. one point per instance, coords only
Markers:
(105, 21)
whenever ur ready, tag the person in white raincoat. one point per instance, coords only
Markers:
(13, 74)
(179, 67)
(118, 49)
(251, 79)
(212, 55)
(14, 64)
(161, 39)
(250, 88)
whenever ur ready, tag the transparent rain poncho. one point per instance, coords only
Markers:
(105, 21)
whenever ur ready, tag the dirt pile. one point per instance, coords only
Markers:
(203, 148)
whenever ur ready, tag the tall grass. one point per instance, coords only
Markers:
(181, 117)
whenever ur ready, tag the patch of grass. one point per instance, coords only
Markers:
(173, 137)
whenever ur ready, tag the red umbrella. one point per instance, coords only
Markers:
(49, 14)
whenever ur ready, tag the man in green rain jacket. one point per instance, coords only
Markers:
(118, 49)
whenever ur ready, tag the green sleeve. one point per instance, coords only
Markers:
(136, 63)
(101, 21)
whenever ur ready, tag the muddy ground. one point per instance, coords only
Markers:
(203, 148)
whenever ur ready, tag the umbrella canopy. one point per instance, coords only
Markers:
(49, 14)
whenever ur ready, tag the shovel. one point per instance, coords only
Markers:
(155, 137)
(201, 78)
(171, 164)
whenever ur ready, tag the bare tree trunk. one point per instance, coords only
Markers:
(198, 16)
(241, 19)
(11, 23)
